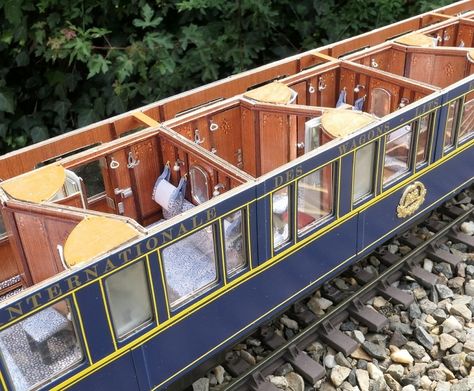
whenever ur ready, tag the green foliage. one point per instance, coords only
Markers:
(68, 63)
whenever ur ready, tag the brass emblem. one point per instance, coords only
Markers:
(412, 198)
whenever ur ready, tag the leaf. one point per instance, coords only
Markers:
(61, 107)
(39, 133)
(86, 116)
(7, 101)
(147, 21)
(97, 64)
(13, 11)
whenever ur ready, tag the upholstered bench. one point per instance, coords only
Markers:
(39, 328)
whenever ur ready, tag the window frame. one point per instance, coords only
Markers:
(189, 300)
(455, 127)
(290, 218)
(81, 340)
(411, 155)
(467, 137)
(429, 141)
(317, 224)
(149, 323)
(376, 167)
(246, 241)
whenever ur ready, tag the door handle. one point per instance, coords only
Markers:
(123, 193)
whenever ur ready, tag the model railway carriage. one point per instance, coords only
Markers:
(138, 248)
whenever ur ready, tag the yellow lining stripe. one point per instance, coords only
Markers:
(109, 320)
(150, 282)
(81, 326)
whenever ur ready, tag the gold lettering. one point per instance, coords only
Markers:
(211, 214)
(299, 171)
(91, 273)
(195, 221)
(14, 312)
(290, 175)
(138, 249)
(342, 148)
(167, 235)
(182, 229)
(278, 180)
(73, 282)
(125, 254)
(54, 291)
(109, 266)
(33, 299)
(151, 243)
(362, 139)
(371, 134)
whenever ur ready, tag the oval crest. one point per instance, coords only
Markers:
(412, 198)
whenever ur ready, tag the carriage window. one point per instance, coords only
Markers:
(234, 237)
(315, 197)
(129, 299)
(467, 122)
(91, 174)
(41, 347)
(190, 266)
(3, 230)
(397, 152)
(281, 228)
(364, 171)
(424, 131)
(451, 122)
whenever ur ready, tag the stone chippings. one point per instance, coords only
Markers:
(428, 346)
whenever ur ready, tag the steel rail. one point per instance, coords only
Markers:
(278, 353)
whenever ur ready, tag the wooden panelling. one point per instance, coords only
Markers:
(145, 174)
(249, 147)
(8, 265)
(274, 141)
(465, 35)
(36, 246)
(226, 141)
(436, 69)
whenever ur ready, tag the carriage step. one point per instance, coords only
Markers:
(374, 320)
(440, 255)
(258, 383)
(427, 279)
(396, 295)
(308, 368)
(410, 240)
(459, 236)
(337, 339)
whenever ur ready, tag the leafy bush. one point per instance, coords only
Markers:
(68, 63)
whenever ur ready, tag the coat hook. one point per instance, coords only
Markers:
(132, 161)
(114, 164)
(321, 84)
(197, 137)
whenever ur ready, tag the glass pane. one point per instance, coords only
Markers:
(467, 123)
(234, 236)
(364, 171)
(312, 134)
(315, 197)
(281, 230)
(451, 124)
(424, 131)
(199, 184)
(190, 266)
(380, 102)
(3, 230)
(397, 153)
(91, 174)
(41, 347)
(128, 295)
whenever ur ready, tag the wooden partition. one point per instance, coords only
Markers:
(437, 66)
(37, 231)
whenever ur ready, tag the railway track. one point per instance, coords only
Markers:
(403, 321)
